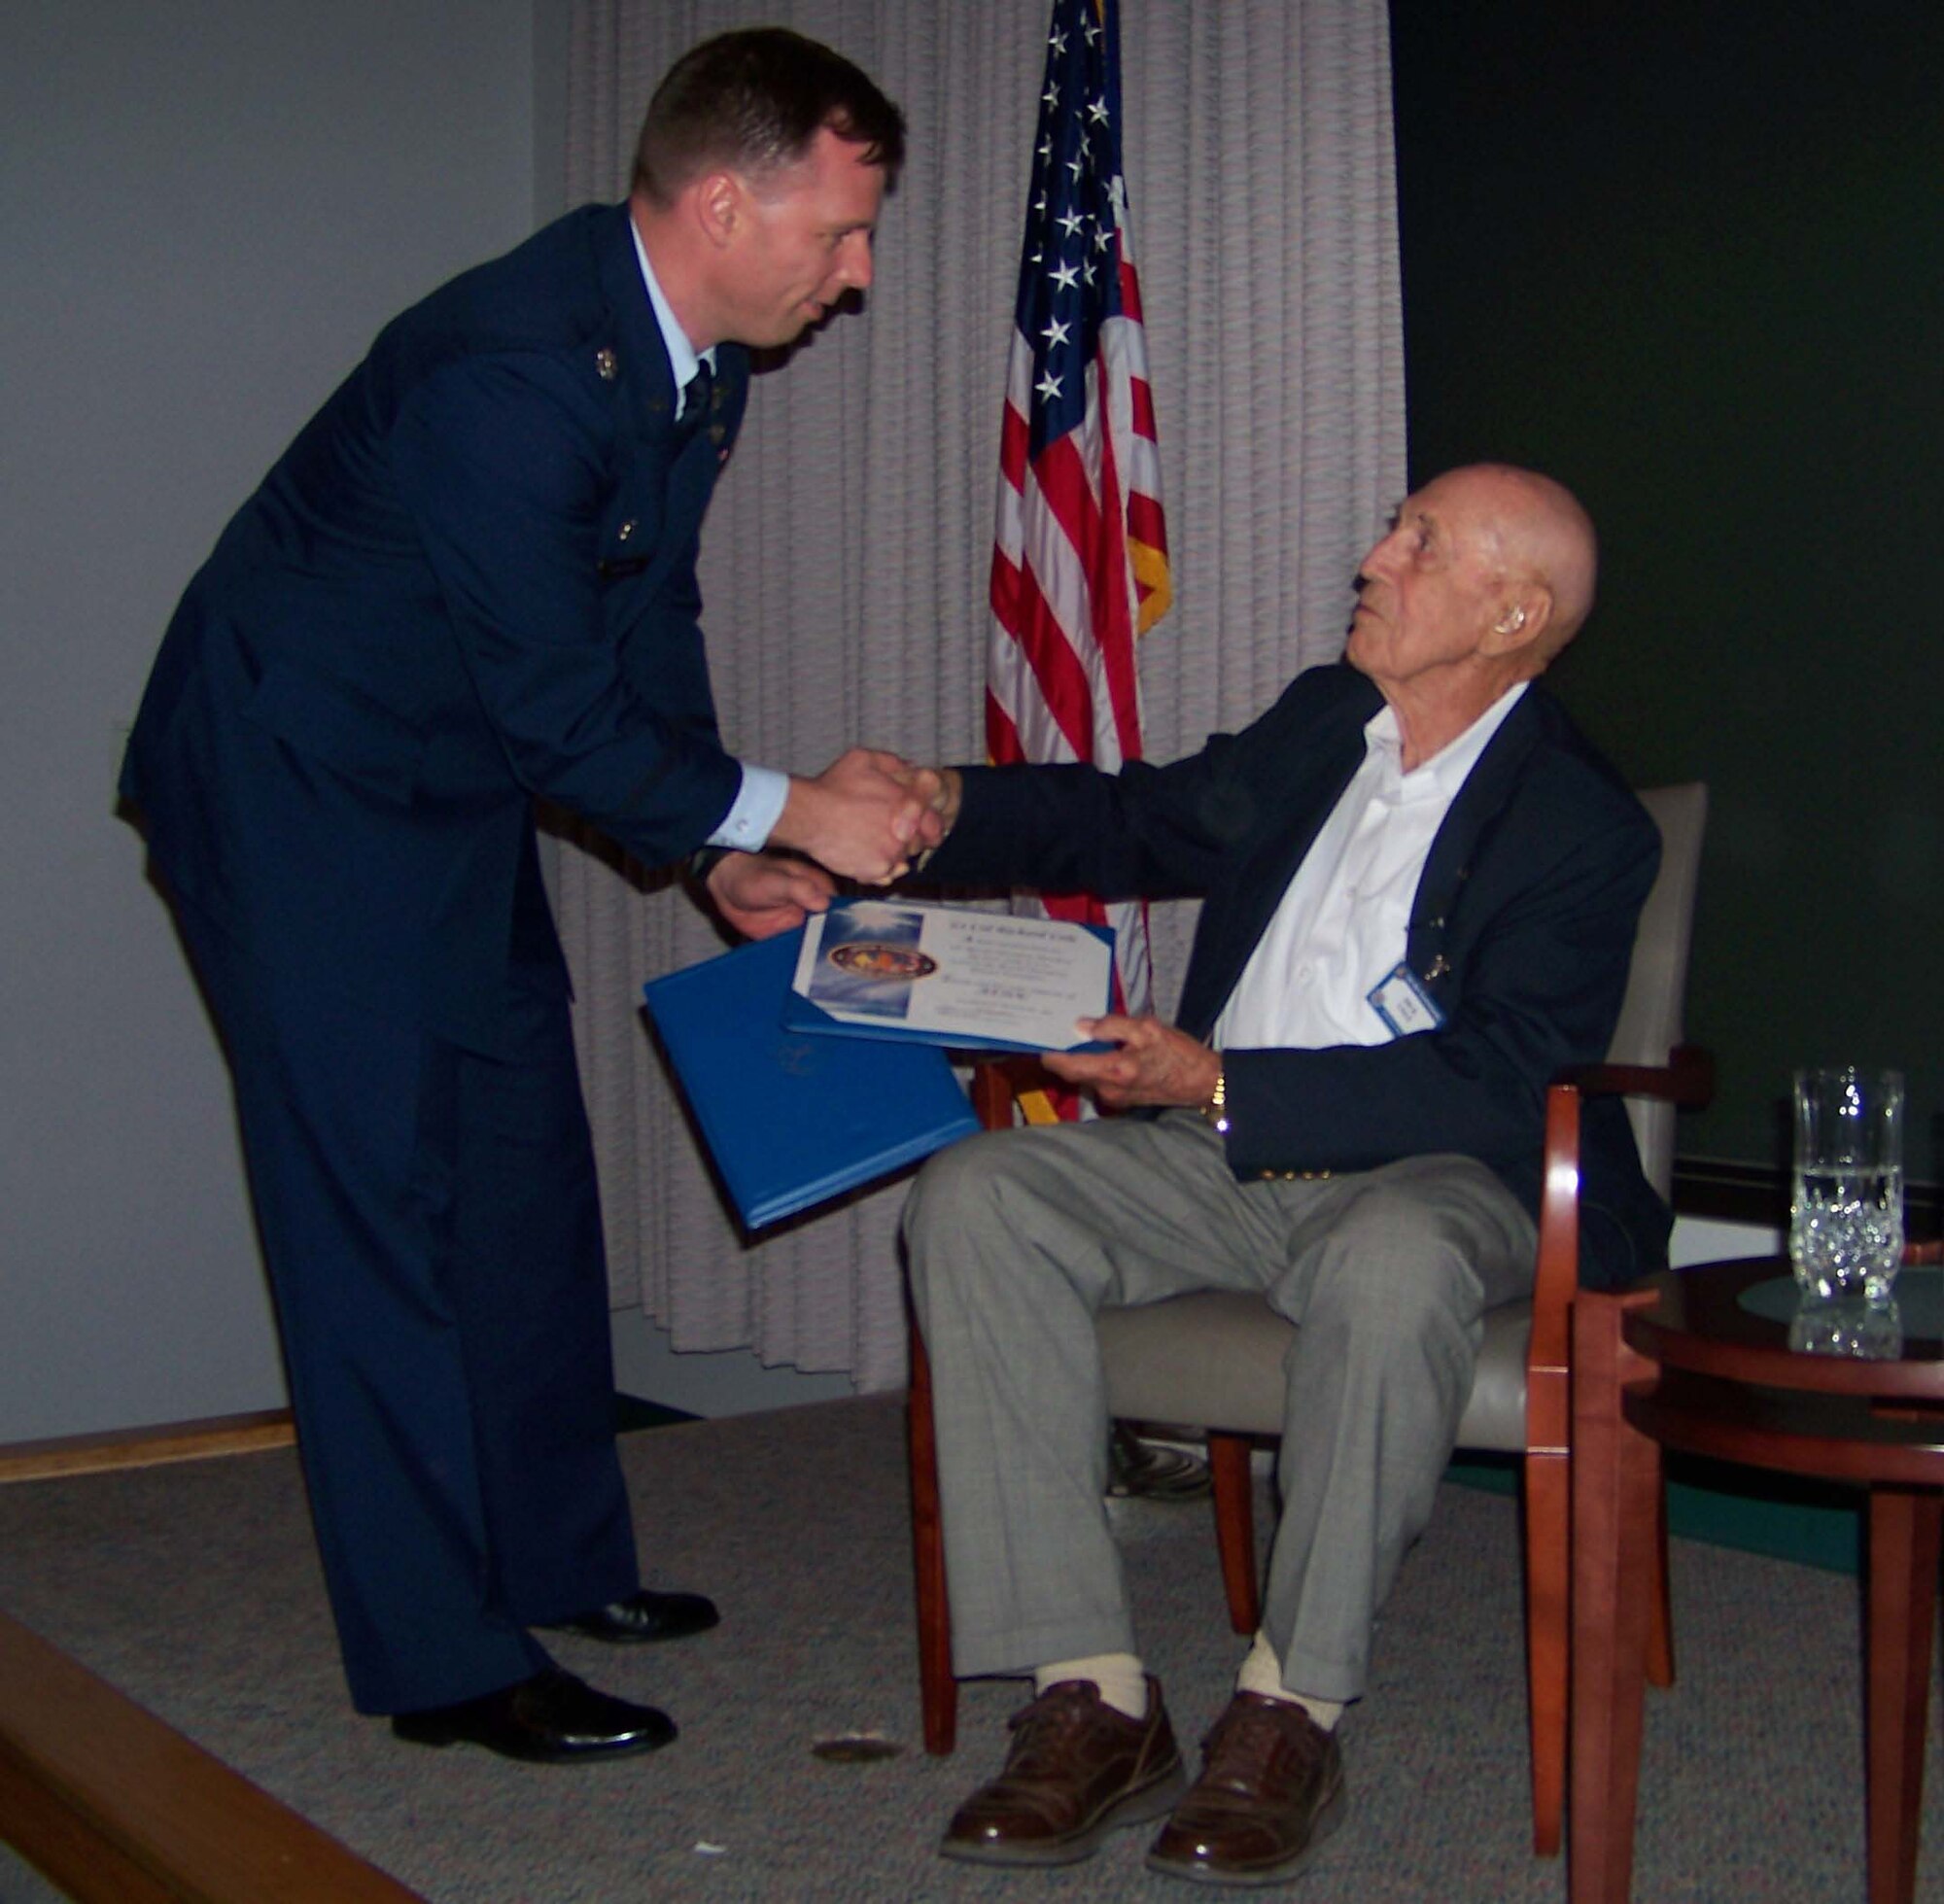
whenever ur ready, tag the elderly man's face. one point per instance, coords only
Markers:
(1429, 592)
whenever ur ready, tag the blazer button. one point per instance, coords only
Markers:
(626, 529)
(606, 364)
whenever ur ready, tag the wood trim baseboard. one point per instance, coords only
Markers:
(118, 1808)
(147, 1447)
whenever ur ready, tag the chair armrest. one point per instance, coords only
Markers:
(998, 1083)
(1556, 1274)
(1686, 1079)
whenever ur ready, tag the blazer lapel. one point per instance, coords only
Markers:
(1447, 867)
(638, 363)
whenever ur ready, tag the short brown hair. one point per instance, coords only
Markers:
(756, 100)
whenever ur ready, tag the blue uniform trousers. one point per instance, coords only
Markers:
(430, 1221)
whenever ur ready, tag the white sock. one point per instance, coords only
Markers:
(1261, 1672)
(1121, 1679)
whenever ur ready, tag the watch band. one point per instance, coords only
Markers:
(1216, 1110)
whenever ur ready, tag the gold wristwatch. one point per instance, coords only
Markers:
(1216, 1110)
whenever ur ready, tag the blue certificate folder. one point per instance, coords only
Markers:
(793, 1121)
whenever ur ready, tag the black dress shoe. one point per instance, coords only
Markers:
(552, 1719)
(643, 1616)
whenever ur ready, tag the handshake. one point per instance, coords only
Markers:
(868, 816)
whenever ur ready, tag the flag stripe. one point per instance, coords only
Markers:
(1059, 672)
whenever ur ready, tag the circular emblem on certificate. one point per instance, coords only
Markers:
(867, 959)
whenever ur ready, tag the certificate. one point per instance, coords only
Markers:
(951, 975)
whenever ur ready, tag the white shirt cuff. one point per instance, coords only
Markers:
(757, 807)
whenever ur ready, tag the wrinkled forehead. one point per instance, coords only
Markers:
(1465, 506)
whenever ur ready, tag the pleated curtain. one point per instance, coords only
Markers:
(844, 565)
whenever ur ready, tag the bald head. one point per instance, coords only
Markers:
(1545, 539)
(1486, 574)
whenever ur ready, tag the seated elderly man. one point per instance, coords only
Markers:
(1421, 890)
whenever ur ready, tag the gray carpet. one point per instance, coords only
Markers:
(195, 1590)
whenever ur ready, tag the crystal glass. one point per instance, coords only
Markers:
(1846, 1193)
(1859, 1329)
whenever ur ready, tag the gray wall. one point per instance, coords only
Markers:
(206, 209)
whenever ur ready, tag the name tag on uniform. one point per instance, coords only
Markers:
(1403, 1004)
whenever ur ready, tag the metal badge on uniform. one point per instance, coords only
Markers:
(1401, 1000)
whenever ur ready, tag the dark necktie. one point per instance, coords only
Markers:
(694, 404)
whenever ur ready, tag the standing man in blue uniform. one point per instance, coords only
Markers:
(468, 583)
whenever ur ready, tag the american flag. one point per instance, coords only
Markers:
(1080, 562)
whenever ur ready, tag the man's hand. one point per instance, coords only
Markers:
(945, 801)
(865, 816)
(763, 893)
(1154, 1064)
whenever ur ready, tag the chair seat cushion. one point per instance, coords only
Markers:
(1214, 1359)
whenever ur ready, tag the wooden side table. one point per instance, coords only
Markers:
(1702, 1362)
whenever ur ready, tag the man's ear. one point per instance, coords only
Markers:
(719, 209)
(1522, 620)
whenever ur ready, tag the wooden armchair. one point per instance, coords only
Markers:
(1214, 1359)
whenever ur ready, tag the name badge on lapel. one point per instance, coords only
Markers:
(1401, 1000)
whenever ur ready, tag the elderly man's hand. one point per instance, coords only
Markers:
(865, 816)
(763, 893)
(1153, 1063)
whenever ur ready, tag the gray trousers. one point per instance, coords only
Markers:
(1017, 1238)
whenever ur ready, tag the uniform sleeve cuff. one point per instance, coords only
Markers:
(756, 809)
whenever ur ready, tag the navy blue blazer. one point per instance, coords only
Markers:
(469, 582)
(1522, 929)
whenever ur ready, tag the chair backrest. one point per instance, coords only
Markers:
(1651, 1022)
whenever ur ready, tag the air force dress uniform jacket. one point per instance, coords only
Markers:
(469, 582)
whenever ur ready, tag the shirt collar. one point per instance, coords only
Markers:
(682, 358)
(1448, 770)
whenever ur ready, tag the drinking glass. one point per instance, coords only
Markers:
(1846, 1193)
(1859, 1329)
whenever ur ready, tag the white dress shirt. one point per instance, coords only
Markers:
(1340, 927)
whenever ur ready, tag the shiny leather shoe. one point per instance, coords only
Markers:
(1270, 1791)
(643, 1616)
(1076, 1771)
(552, 1719)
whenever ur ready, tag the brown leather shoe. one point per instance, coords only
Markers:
(1076, 1771)
(1270, 1791)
